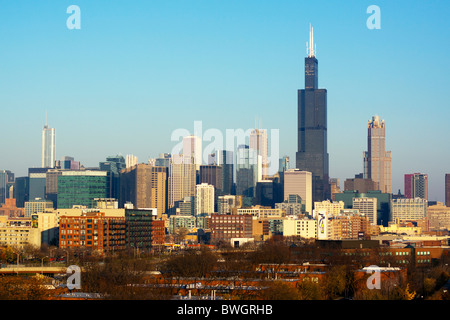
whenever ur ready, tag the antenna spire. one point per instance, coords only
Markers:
(311, 49)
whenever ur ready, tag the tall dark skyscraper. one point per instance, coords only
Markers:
(312, 154)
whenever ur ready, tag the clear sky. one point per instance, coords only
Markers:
(138, 70)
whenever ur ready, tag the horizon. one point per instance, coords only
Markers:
(135, 73)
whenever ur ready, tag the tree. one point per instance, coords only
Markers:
(278, 290)
(18, 287)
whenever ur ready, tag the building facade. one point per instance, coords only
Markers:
(298, 182)
(377, 161)
(416, 185)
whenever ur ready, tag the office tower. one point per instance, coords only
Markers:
(283, 164)
(113, 165)
(377, 161)
(292, 206)
(211, 174)
(130, 160)
(6, 181)
(36, 182)
(259, 142)
(204, 199)
(192, 150)
(48, 147)
(298, 182)
(181, 182)
(51, 186)
(21, 191)
(224, 159)
(332, 208)
(312, 154)
(447, 189)
(186, 206)
(416, 185)
(366, 207)
(81, 187)
(144, 186)
(408, 209)
(246, 171)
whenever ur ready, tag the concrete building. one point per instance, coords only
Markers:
(130, 160)
(145, 186)
(212, 174)
(262, 212)
(10, 209)
(48, 224)
(377, 161)
(408, 209)
(297, 182)
(19, 236)
(204, 198)
(367, 207)
(293, 206)
(362, 185)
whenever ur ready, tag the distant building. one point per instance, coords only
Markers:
(377, 161)
(305, 228)
(37, 205)
(6, 180)
(181, 181)
(259, 142)
(81, 187)
(212, 174)
(225, 227)
(333, 208)
(297, 182)
(131, 160)
(408, 209)
(362, 185)
(144, 186)
(416, 185)
(48, 147)
(227, 202)
(204, 198)
(366, 207)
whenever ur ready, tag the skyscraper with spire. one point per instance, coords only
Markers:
(312, 154)
(48, 146)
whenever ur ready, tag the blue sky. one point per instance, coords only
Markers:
(138, 70)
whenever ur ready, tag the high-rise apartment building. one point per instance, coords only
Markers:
(312, 154)
(204, 199)
(48, 147)
(297, 182)
(211, 174)
(416, 185)
(377, 161)
(144, 186)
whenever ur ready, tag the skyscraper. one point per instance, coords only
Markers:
(192, 150)
(312, 155)
(181, 180)
(204, 198)
(416, 185)
(259, 142)
(48, 147)
(377, 161)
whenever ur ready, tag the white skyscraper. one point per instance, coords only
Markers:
(259, 142)
(131, 160)
(48, 147)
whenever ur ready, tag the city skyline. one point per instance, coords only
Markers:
(77, 80)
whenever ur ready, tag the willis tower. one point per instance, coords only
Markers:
(312, 152)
